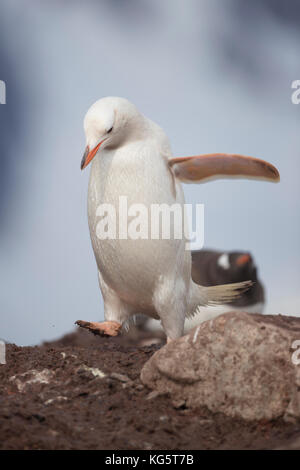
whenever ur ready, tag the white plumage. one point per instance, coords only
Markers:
(132, 157)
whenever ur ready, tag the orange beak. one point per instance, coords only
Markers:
(243, 259)
(89, 155)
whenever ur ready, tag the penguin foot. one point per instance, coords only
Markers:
(106, 328)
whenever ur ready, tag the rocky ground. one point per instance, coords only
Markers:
(85, 392)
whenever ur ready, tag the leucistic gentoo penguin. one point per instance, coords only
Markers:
(211, 267)
(131, 157)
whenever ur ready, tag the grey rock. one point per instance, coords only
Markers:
(239, 364)
(121, 377)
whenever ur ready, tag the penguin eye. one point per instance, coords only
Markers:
(109, 130)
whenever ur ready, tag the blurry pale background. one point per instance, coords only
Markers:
(215, 75)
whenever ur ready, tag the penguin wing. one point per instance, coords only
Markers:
(201, 168)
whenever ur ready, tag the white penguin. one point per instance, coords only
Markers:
(132, 158)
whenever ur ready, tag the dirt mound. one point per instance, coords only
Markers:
(84, 392)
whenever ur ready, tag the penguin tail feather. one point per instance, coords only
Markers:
(216, 295)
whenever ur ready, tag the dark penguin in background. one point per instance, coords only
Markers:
(210, 267)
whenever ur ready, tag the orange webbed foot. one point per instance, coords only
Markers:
(106, 328)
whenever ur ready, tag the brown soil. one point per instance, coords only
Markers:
(77, 410)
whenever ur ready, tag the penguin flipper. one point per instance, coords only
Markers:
(201, 168)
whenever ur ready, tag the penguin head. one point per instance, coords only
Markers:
(236, 267)
(110, 122)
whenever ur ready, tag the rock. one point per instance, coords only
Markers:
(57, 399)
(178, 403)
(121, 377)
(239, 364)
(139, 387)
(32, 377)
(91, 372)
(154, 395)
